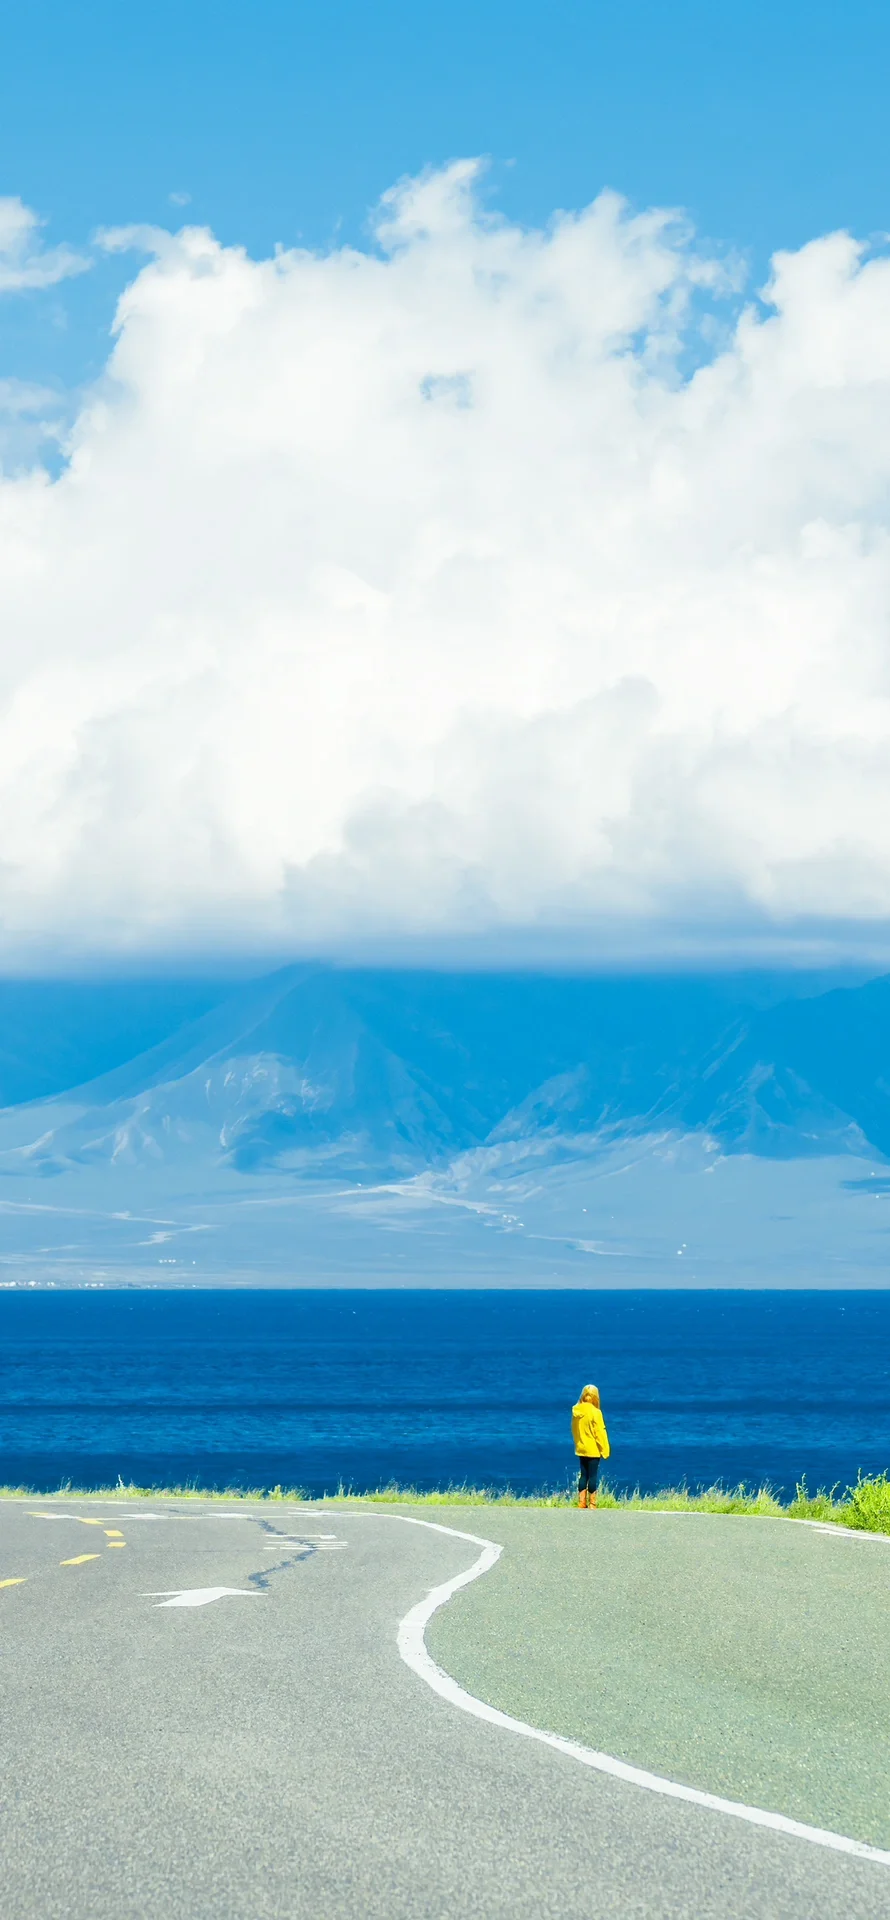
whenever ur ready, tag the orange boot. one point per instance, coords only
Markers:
(582, 1497)
(591, 1501)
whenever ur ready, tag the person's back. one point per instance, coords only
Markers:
(591, 1443)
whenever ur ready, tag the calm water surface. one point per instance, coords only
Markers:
(308, 1389)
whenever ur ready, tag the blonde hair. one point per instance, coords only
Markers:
(592, 1394)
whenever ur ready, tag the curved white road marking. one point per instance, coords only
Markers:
(412, 1647)
(844, 1533)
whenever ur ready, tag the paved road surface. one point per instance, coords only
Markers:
(205, 1717)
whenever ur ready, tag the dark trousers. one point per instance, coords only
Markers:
(588, 1468)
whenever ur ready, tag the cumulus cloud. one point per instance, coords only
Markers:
(484, 583)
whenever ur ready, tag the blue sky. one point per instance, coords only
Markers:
(285, 122)
(502, 566)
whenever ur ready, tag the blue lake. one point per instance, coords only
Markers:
(254, 1388)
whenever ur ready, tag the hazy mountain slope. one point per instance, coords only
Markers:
(394, 1071)
(839, 1046)
(56, 1034)
(284, 1068)
(609, 1048)
(390, 1070)
(330, 1126)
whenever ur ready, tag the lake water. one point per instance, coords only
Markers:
(310, 1388)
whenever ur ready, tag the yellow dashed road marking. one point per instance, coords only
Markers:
(117, 1543)
(114, 1533)
(78, 1560)
(15, 1583)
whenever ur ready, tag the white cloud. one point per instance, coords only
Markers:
(422, 592)
(31, 421)
(24, 263)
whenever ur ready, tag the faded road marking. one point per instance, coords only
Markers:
(15, 1583)
(198, 1596)
(325, 1543)
(66, 1516)
(78, 1560)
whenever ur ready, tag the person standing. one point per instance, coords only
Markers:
(591, 1443)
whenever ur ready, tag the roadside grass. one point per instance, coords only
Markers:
(865, 1506)
(128, 1490)
(870, 1501)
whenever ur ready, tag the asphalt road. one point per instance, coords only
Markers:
(258, 1748)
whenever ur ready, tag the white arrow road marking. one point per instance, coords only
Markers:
(198, 1596)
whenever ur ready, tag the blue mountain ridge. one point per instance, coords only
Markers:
(416, 1065)
(347, 1120)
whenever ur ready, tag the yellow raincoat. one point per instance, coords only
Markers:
(589, 1432)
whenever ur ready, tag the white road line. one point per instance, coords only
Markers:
(818, 1526)
(844, 1533)
(412, 1647)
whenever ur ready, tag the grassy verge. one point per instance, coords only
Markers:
(866, 1506)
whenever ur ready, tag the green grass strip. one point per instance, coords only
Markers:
(865, 1506)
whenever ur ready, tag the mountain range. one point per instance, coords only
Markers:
(316, 1117)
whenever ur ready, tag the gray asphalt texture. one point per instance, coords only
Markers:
(270, 1755)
